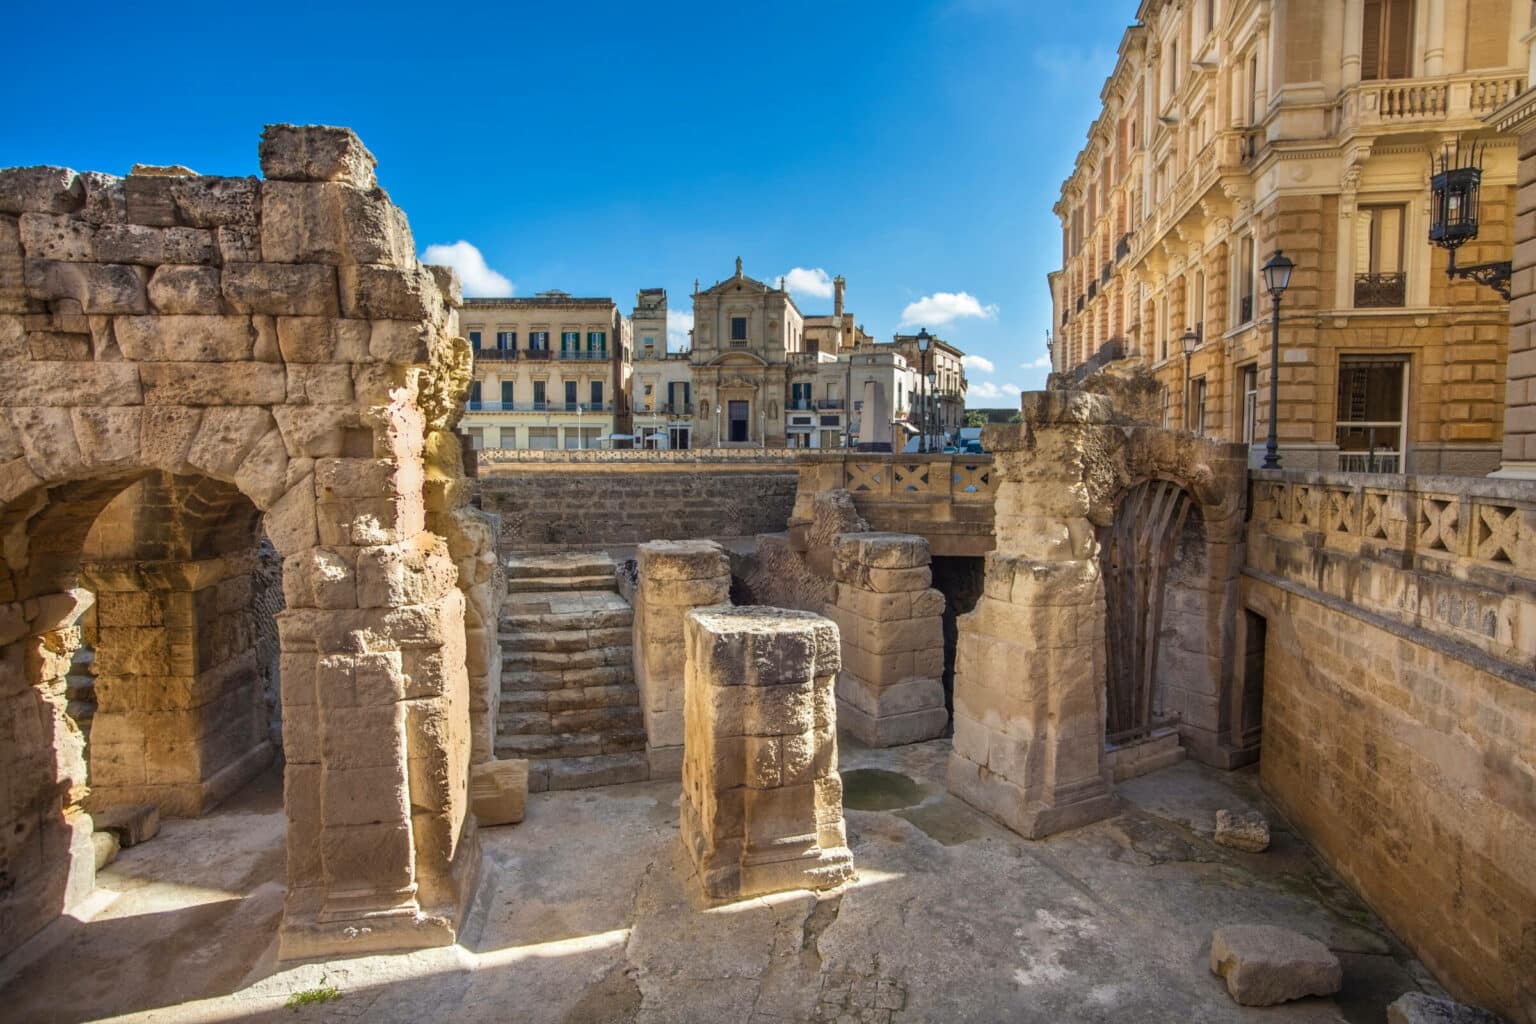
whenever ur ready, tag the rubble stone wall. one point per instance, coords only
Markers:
(597, 499)
(279, 336)
(1397, 622)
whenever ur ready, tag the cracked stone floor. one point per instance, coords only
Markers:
(584, 915)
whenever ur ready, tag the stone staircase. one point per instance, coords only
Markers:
(568, 698)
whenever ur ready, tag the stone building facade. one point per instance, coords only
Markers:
(941, 404)
(1232, 128)
(661, 381)
(745, 335)
(551, 371)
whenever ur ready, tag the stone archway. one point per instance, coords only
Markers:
(277, 336)
(1033, 662)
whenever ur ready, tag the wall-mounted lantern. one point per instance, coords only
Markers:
(1455, 182)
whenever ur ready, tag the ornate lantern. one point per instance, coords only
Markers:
(1455, 182)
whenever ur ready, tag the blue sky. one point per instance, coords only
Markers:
(916, 148)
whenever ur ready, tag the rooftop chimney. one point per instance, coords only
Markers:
(837, 295)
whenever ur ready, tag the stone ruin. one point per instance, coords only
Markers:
(192, 364)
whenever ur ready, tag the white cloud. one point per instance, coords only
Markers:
(815, 283)
(1043, 363)
(986, 389)
(979, 363)
(478, 279)
(945, 307)
(679, 324)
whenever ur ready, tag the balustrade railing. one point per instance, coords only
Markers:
(1381, 291)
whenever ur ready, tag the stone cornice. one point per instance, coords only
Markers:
(1515, 117)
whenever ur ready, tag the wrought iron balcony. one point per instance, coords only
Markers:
(536, 353)
(496, 354)
(1381, 291)
(598, 356)
(543, 407)
(829, 403)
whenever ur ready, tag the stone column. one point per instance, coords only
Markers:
(674, 578)
(1030, 662)
(181, 717)
(890, 690)
(762, 807)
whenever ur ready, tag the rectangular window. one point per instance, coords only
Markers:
(1244, 272)
(570, 341)
(800, 396)
(738, 328)
(1386, 39)
(506, 394)
(544, 437)
(474, 395)
(597, 394)
(1197, 405)
(1371, 410)
(680, 436)
(1250, 403)
(597, 341)
(538, 341)
(1253, 90)
(506, 341)
(474, 341)
(1380, 281)
(570, 395)
(539, 399)
(650, 344)
(476, 438)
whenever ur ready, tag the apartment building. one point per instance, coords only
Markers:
(661, 381)
(938, 397)
(550, 372)
(1233, 128)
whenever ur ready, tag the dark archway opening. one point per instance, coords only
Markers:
(960, 580)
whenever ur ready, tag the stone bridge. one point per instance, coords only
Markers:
(946, 499)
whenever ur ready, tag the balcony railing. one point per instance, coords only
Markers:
(1381, 291)
(1421, 100)
(540, 406)
(829, 403)
(668, 409)
(496, 354)
(598, 356)
(536, 353)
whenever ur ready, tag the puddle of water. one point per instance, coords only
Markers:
(875, 789)
(946, 822)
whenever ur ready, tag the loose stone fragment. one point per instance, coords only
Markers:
(1247, 832)
(132, 824)
(106, 846)
(498, 791)
(1264, 965)
(1418, 1008)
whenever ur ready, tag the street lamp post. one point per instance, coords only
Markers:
(1277, 278)
(1189, 340)
(933, 409)
(924, 340)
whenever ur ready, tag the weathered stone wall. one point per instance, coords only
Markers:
(278, 337)
(1397, 621)
(558, 500)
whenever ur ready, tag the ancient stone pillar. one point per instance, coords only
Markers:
(762, 806)
(674, 578)
(181, 718)
(890, 690)
(1030, 661)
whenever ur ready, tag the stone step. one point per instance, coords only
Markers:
(560, 622)
(600, 721)
(541, 584)
(566, 639)
(569, 563)
(587, 772)
(566, 679)
(573, 699)
(556, 661)
(568, 744)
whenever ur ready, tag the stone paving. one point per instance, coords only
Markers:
(585, 915)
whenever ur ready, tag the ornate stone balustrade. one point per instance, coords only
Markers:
(944, 498)
(1458, 98)
(1451, 556)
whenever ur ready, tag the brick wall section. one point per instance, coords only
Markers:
(554, 500)
(1399, 706)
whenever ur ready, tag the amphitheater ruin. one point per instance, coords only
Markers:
(240, 534)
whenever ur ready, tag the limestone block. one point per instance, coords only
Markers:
(1247, 832)
(1418, 1008)
(238, 243)
(319, 384)
(448, 283)
(185, 289)
(291, 152)
(148, 201)
(498, 791)
(97, 287)
(884, 550)
(376, 230)
(384, 292)
(186, 339)
(205, 383)
(301, 223)
(885, 581)
(152, 246)
(39, 189)
(303, 289)
(762, 801)
(106, 847)
(52, 236)
(681, 560)
(207, 202)
(1264, 965)
(415, 572)
(314, 339)
(316, 431)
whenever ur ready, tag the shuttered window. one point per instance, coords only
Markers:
(1386, 39)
